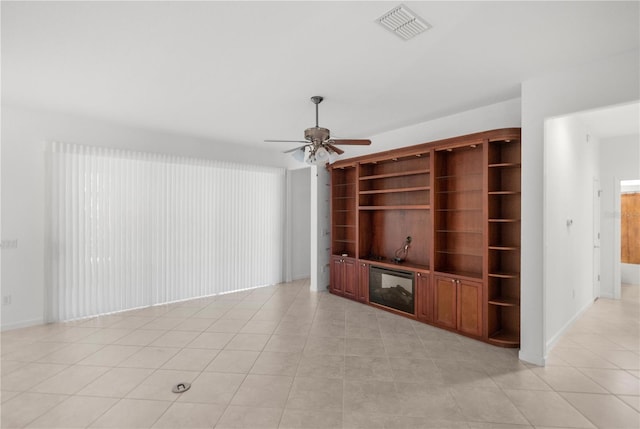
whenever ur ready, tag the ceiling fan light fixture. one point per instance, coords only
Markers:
(318, 145)
(404, 23)
(333, 157)
(300, 154)
(322, 154)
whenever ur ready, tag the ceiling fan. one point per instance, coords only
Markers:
(319, 147)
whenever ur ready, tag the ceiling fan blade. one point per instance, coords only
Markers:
(293, 150)
(335, 149)
(362, 142)
(286, 141)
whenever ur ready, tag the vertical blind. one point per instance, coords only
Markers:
(130, 229)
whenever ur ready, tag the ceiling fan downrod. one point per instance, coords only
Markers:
(316, 99)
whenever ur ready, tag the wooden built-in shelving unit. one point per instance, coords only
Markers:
(503, 253)
(459, 201)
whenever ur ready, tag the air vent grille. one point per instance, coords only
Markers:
(403, 22)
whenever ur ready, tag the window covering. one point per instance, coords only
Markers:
(131, 229)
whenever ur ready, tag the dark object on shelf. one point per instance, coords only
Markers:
(401, 253)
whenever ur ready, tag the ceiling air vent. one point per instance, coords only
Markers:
(403, 22)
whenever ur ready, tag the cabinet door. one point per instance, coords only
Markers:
(350, 278)
(445, 301)
(469, 307)
(363, 282)
(337, 276)
(424, 297)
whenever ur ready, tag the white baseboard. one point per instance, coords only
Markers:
(536, 360)
(22, 324)
(552, 342)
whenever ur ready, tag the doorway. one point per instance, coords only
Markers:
(586, 156)
(629, 237)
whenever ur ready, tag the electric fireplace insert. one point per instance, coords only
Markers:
(392, 288)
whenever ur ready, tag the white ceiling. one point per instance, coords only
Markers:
(240, 72)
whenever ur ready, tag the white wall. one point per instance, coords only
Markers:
(300, 212)
(24, 133)
(619, 160)
(630, 274)
(320, 229)
(606, 82)
(570, 165)
(505, 114)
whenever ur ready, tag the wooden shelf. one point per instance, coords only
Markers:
(472, 275)
(401, 207)
(505, 338)
(396, 174)
(504, 220)
(460, 210)
(504, 275)
(504, 193)
(465, 252)
(457, 231)
(459, 191)
(504, 301)
(458, 176)
(505, 165)
(390, 264)
(506, 248)
(395, 190)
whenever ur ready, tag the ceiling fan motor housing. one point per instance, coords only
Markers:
(316, 134)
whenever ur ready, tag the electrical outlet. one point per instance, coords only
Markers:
(6, 300)
(9, 244)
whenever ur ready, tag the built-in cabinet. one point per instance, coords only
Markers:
(363, 282)
(445, 302)
(456, 203)
(458, 304)
(344, 276)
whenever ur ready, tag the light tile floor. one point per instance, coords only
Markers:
(285, 357)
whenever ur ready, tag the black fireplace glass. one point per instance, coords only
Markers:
(392, 288)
